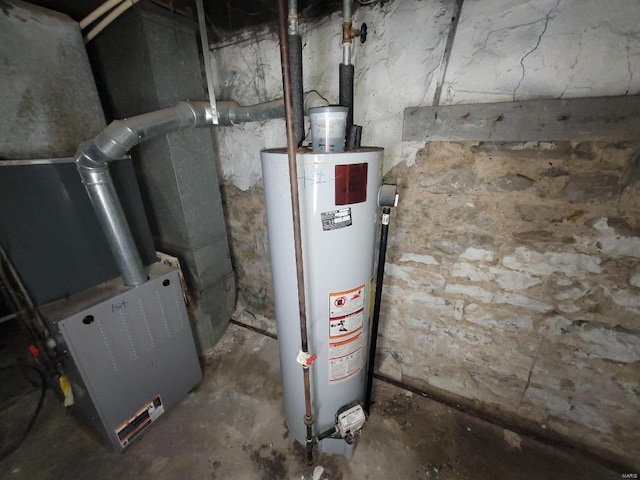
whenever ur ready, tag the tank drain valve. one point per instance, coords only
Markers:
(350, 422)
(305, 359)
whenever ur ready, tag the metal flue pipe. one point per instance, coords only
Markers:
(295, 207)
(93, 157)
(231, 113)
(112, 143)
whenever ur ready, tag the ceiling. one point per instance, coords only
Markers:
(224, 17)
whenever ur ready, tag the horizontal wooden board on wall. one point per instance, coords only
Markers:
(598, 118)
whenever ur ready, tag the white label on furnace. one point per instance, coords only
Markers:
(343, 327)
(342, 304)
(345, 359)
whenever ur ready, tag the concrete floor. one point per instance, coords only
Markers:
(232, 427)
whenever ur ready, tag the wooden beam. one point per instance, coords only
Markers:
(599, 118)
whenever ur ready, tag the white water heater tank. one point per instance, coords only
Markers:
(338, 219)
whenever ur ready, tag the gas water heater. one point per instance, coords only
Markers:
(338, 195)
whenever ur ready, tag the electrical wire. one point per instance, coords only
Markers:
(43, 393)
(367, 2)
(23, 302)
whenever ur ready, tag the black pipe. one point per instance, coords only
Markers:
(351, 140)
(328, 433)
(43, 393)
(375, 320)
(345, 96)
(297, 96)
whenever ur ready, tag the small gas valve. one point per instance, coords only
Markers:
(350, 422)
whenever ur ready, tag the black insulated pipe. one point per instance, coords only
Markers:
(352, 134)
(297, 100)
(387, 198)
(375, 320)
(345, 96)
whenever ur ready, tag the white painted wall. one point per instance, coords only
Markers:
(514, 50)
(504, 50)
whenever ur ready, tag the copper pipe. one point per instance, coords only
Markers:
(295, 207)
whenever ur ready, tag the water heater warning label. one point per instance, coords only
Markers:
(346, 320)
(345, 303)
(336, 219)
(348, 326)
(345, 358)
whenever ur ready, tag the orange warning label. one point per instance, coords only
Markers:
(346, 321)
(342, 304)
(345, 358)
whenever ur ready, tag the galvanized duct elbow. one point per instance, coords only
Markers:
(112, 143)
(93, 157)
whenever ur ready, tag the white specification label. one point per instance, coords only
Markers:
(342, 304)
(345, 359)
(336, 219)
(343, 327)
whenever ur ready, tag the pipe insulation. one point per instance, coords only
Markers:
(295, 64)
(375, 321)
(345, 95)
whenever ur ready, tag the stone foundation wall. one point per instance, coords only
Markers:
(513, 280)
(513, 276)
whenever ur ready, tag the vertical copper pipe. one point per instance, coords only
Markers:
(295, 207)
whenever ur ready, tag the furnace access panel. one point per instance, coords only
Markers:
(132, 350)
